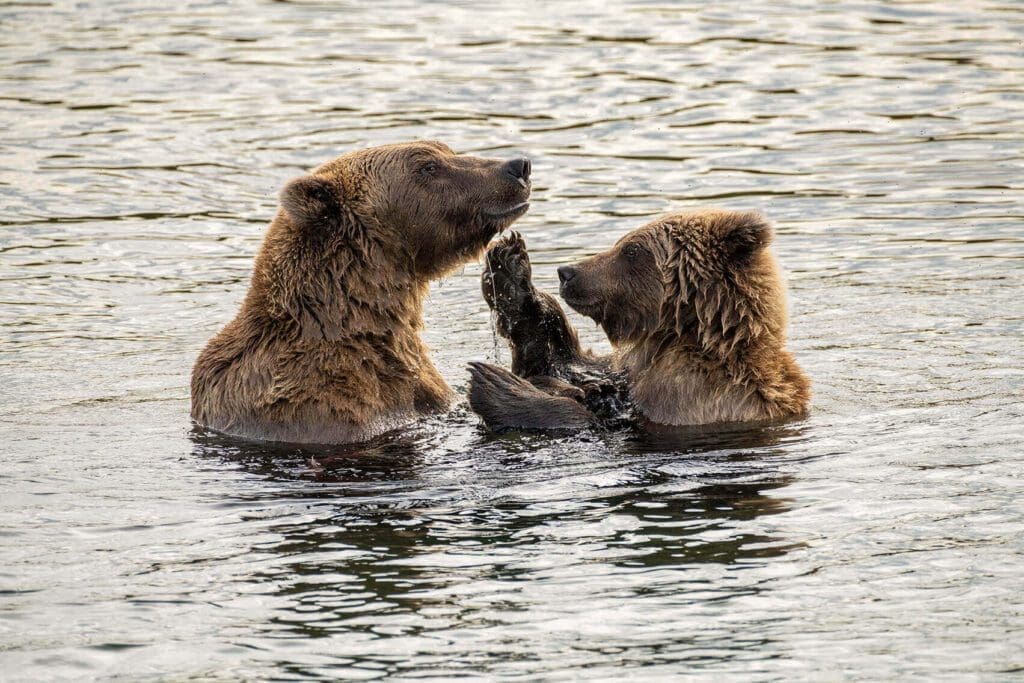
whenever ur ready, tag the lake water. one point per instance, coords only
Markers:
(141, 152)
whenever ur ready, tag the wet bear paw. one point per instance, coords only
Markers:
(506, 281)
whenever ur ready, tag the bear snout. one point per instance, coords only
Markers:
(573, 288)
(519, 169)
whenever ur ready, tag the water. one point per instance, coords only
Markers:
(141, 153)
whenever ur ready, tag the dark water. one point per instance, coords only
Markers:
(141, 152)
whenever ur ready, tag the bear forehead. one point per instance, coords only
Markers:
(382, 155)
(709, 239)
(404, 149)
(711, 226)
(654, 234)
(704, 221)
(713, 220)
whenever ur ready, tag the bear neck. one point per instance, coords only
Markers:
(352, 292)
(331, 286)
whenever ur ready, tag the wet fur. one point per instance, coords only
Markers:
(694, 304)
(326, 347)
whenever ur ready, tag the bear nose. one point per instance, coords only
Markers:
(566, 273)
(518, 168)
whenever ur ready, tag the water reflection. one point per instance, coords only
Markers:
(401, 565)
(388, 458)
(394, 546)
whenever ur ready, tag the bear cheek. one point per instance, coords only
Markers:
(461, 234)
(648, 303)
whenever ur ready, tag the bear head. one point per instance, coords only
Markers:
(427, 207)
(704, 278)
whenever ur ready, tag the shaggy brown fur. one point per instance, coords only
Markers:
(695, 306)
(326, 347)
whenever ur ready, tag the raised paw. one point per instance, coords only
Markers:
(506, 280)
(505, 401)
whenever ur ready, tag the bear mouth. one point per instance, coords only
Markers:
(590, 309)
(514, 211)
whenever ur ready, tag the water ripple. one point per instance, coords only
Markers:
(140, 161)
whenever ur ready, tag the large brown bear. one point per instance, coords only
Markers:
(326, 347)
(695, 307)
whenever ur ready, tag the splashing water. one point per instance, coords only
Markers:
(494, 314)
(494, 336)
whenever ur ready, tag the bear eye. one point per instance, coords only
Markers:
(429, 168)
(631, 250)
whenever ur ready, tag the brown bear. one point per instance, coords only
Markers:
(326, 347)
(695, 307)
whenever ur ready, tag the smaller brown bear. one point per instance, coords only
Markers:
(695, 306)
(326, 347)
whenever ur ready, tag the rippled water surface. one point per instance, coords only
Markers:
(141, 151)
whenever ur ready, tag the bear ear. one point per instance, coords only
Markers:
(747, 233)
(311, 201)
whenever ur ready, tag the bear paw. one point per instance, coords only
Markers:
(506, 280)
